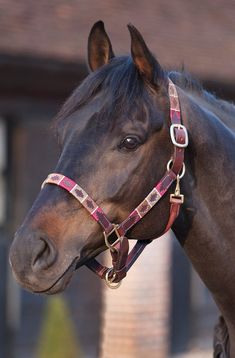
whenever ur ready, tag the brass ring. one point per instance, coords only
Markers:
(109, 282)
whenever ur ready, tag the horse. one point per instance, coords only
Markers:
(119, 133)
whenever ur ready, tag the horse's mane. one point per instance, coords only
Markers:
(187, 82)
(125, 86)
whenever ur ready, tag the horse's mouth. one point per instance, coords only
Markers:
(62, 282)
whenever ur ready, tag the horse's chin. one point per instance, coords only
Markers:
(40, 285)
(59, 286)
(62, 282)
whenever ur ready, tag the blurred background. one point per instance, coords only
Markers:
(162, 309)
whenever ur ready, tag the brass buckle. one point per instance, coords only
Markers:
(172, 134)
(109, 281)
(106, 236)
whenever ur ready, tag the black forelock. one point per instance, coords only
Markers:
(119, 79)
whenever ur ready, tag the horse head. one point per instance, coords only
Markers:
(114, 137)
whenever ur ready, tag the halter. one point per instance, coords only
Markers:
(114, 234)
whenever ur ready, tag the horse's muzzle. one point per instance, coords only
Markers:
(35, 264)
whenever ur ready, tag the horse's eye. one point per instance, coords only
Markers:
(129, 143)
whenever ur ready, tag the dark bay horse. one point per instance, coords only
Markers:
(115, 142)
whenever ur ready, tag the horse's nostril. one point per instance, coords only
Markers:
(44, 255)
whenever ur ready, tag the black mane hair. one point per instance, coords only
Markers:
(125, 86)
(121, 80)
(186, 81)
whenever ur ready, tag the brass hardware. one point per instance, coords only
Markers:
(106, 236)
(109, 281)
(177, 196)
(179, 199)
(177, 188)
(111, 274)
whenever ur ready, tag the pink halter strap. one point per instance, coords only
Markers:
(122, 261)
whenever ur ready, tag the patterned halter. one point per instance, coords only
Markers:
(114, 234)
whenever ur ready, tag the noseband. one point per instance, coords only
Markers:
(114, 234)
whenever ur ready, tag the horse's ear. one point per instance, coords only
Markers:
(143, 59)
(99, 46)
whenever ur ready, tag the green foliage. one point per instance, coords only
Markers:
(57, 338)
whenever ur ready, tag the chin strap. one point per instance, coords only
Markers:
(115, 234)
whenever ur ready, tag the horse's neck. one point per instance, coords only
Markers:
(205, 225)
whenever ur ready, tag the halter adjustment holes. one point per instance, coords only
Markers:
(129, 143)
